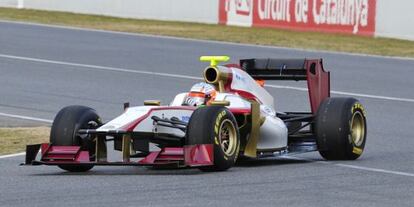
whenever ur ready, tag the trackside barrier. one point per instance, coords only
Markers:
(203, 11)
(382, 18)
(338, 16)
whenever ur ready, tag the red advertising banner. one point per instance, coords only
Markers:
(336, 16)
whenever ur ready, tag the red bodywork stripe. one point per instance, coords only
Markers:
(199, 155)
(191, 155)
(318, 84)
(240, 110)
(63, 153)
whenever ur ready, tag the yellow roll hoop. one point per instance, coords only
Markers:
(214, 60)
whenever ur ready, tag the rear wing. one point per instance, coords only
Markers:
(293, 69)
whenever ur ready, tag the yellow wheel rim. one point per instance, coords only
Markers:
(358, 128)
(228, 137)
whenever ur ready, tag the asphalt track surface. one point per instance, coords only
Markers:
(43, 69)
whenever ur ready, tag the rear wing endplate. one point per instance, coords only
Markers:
(310, 70)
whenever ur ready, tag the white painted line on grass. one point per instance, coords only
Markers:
(12, 155)
(370, 169)
(205, 41)
(80, 66)
(26, 117)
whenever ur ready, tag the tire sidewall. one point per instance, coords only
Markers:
(333, 129)
(64, 130)
(68, 122)
(204, 127)
(353, 149)
(220, 157)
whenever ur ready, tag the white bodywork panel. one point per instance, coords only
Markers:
(129, 115)
(273, 132)
(235, 100)
(244, 82)
(146, 124)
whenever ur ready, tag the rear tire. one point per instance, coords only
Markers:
(341, 129)
(215, 125)
(65, 128)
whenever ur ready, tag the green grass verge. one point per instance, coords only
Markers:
(259, 36)
(14, 140)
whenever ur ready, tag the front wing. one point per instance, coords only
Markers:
(186, 156)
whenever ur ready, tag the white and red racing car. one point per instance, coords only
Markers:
(228, 116)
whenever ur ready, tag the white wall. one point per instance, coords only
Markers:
(395, 18)
(205, 11)
(8, 3)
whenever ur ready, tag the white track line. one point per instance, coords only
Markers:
(204, 41)
(375, 170)
(97, 67)
(12, 155)
(347, 93)
(125, 70)
(26, 117)
(370, 169)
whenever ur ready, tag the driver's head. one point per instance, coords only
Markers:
(200, 94)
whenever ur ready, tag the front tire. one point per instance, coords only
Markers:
(215, 125)
(341, 129)
(65, 128)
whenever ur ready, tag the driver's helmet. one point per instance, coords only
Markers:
(200, 94)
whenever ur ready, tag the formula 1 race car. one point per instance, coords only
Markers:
(228, 116)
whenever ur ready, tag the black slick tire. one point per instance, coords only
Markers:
(64, 132)
(341, 130)
(209, 125)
